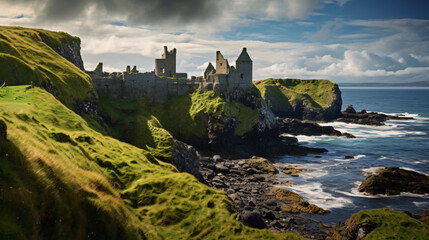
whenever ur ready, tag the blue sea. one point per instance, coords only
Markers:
(332, 180)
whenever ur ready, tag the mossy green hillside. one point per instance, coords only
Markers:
(184, 116)
(390, 224)
(25, 58)
(62, 180)
(317, 94)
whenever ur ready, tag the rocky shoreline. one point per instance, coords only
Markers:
(259, 199)
(263, 202)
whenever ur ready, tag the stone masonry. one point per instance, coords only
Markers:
(164, 81)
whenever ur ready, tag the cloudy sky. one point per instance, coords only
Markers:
(341, 40)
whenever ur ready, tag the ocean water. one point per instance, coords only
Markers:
(332, 180)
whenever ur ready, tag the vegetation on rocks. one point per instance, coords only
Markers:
(25, 58)
(293, 203)
(62, 180)
(262, 164)
(290, 97)
(316, 93)
(293, 170)
(381, 223)
(185, 117)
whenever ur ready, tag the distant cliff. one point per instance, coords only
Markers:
(303, 99)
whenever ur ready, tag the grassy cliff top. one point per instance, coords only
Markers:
(390, 224)
(62, 180)
(316, 94)
(26, 58)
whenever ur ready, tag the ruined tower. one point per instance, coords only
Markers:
(209, 70)
(166, 66)
(244, 65)
(222, 66)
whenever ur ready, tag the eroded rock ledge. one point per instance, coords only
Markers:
(297, 127)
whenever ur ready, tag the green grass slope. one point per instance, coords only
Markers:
(391, 224)
(185, 117)
(316, 94)
(382, 223)
(59, 179)
(25, 58)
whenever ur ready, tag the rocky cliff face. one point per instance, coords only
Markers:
(185, 159)
(69, 48)
(224, 140)
(302, 99)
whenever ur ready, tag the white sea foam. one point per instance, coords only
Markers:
(421, 204)
(313, 193)
(366, 131)
(359, 156)
(370, 170)
(314, 173)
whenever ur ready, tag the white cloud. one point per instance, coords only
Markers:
(401, 51)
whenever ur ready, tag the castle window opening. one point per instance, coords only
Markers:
(241, 76)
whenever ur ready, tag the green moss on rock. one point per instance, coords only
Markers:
(390, 224)
(381, 223)
(185, 117)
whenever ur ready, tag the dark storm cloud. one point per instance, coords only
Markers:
(170, 12)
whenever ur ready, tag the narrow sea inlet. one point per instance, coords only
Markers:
(332, 180)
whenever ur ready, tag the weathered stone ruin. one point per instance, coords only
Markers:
(164, 81)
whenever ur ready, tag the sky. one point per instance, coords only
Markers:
(341, 40)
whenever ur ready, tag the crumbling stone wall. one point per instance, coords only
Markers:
(151, 86)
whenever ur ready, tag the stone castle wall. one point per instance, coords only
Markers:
(148, 86)
(153, 87)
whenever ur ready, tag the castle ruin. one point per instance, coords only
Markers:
(164, 81)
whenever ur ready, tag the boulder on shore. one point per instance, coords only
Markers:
(293, 203)
(262, 164)
(394, 180)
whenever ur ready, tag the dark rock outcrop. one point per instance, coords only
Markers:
(3, 131)
(252, 219)
(350, 109)
(298, 127)
(69, 48)
(185, 159)
(365, 118)
(394, 180)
